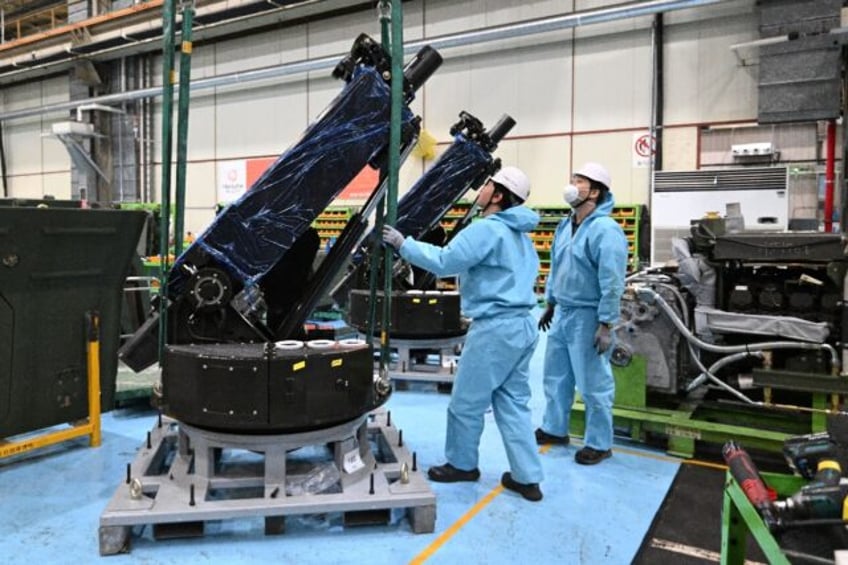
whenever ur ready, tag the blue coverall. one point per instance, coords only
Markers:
(585, 284)
(497, 266)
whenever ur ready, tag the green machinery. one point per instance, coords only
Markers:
(743, 340)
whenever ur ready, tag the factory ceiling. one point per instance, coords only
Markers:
(48, 43)
(23, 18)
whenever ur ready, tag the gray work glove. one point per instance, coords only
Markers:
(547, 317)
(392, 237)
(603, 338)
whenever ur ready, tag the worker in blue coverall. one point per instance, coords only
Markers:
(497, 265)
(583, 295)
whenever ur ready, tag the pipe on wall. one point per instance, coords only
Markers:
(829, 174)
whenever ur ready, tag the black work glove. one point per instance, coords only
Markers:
(603, 338)
(547, 316)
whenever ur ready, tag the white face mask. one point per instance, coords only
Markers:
(571, 195)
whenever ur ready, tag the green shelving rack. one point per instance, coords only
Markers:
(456, 213)
(331, 222)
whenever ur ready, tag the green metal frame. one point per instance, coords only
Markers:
(169, 19)
(182, 125)
(687, 423)
(391, 25)
(739, 518)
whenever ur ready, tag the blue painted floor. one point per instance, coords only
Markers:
(51, 503)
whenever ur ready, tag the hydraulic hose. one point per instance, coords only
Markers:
(649, 295)
(710, 373)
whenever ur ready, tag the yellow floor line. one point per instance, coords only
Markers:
(465, 518)
(455, 527)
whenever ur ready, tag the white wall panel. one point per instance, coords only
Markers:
(201, 185)
(201, 143)
(26, 186)
(545, 160)
(263, 120)
(266, 117)
(612, 77)
(57, 184)
(28, 152)
(704, 80)
(451, 17)
(23, 146)
(680, 149)
(532, 84)
(261, 50)
(54, 154)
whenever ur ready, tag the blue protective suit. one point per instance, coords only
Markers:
(497, 266)
(585, 284)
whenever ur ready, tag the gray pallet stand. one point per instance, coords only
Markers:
(405, 369)
(176, 481)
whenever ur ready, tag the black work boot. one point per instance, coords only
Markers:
(544, 438)
(529, 491)
(589, 456)
(447, 473)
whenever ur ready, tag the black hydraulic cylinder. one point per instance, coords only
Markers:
(422, 67)
(500, 129)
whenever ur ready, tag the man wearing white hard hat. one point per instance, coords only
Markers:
(583, 295)
(497, 266)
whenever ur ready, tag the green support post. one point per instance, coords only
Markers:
(168, 24)
(377, 249)
(396, 52)
(182, 126)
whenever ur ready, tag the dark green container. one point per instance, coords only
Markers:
(57, 264)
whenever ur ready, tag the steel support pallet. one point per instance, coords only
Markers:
(180, 479)
(405, 367)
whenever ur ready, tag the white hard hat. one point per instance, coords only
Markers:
(595, 172)
(514, 180)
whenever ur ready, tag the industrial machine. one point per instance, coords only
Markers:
(58, 264)
(243, 385)
(427, 328)
(742, 337)
(248, 278)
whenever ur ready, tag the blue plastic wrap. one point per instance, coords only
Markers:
(463, 166)
(250, 236)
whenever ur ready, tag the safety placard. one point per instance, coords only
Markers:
(644, 147)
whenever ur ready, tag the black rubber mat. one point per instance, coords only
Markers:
(688, 523)
(687, 528)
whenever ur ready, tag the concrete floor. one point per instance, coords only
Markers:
(52, 500)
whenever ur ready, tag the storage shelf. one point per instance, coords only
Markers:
(331, 222)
